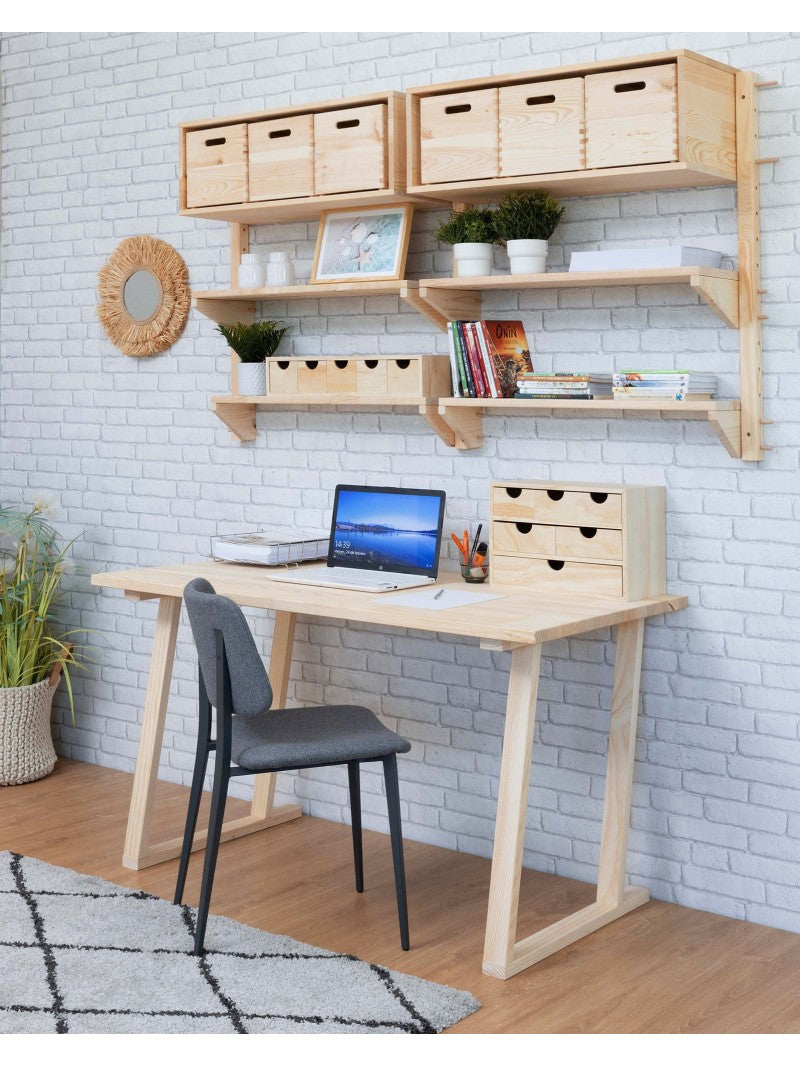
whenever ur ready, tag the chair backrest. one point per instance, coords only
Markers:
(251, 693)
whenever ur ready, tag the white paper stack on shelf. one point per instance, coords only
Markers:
(644, 258)
(271, 548)
(663, 385)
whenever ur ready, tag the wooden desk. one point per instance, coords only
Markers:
(521, 623)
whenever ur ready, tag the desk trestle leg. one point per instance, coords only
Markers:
(503, 957)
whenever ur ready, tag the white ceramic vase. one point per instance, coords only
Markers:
(527, 257)
(253, 379)
(280, 269)
(251, 271)
(472, 260)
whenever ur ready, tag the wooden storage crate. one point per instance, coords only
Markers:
(459, 136)
(579, 540)
(391, 377)
(350, 149)
(632, 116)
(281, 157)
(216, 166)
(541, 127)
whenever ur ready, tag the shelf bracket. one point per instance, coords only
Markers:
(443, 305)
(430, 413)
(239, 418)
(728, 425)
(225, 312)
(721, 295)
(466, 423)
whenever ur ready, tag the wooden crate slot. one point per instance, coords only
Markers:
(403, 377)
(312, 375)
(459, 136)
(523, 538)
(282, 376)
(216, 166)
(281, 158)
(350, 149)
(590, 542)
(631, 116)
(558, 576)
(371, 377)
(541, 127)
(341, 376)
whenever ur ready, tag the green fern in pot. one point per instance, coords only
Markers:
(253, 342)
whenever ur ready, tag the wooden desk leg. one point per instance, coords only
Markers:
(502, 957)
(280, 664)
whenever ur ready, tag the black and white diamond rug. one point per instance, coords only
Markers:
(84, 956)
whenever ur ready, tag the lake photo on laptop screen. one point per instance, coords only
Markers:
(391, 530)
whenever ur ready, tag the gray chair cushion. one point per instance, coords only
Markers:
(307, 737)
(251, 693)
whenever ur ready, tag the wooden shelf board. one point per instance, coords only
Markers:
(305, 292)
(577, 183)
(581, 279)
(298, 209)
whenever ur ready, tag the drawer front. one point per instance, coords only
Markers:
(631, 117)
(523, 538)
(588, 542)
(577, 508)
(558, 576)
(312, 376)
(371, 379)
(280, 158)
(459, 136)
(341, 376)
(541, 127)
(513, 503)
(350, 149)
(403, 377)
(216, 166)
(282, 376)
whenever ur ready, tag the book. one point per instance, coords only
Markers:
(461, 379)
(271, 548)
(462, 349)
(488, 365)
(566, 386)
(474, 360)
(509, 353)
(451, 349)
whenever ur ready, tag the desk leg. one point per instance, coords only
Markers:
(138, 851)
(280, 664)
(502, 956)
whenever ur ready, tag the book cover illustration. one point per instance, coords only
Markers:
(510, 353)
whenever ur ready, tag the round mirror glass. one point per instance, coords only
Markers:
(142, 295)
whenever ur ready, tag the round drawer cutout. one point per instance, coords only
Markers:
(524, 527)
(599, 498)
(555, 564)
(513, 492)
(340, 363)
(283, 364)
(555, 494)
(403, 364)
(588, 532)
(312, 364)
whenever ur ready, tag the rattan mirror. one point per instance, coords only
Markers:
(144, 296)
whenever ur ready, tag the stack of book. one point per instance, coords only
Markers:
(563, 386)
(487, 357)
(664, 385)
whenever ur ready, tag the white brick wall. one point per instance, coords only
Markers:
(148, 474)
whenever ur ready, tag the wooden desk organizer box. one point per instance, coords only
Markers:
(579, 540)
(389, 377)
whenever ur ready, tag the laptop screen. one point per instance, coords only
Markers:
(387, 529)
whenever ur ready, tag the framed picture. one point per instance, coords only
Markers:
(362, 245)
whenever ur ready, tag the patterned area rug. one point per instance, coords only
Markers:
(80, 955)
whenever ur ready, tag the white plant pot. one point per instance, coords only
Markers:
(527, 257)
(253, 379)
(472, 260)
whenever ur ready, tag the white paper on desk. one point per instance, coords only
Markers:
(450, 598)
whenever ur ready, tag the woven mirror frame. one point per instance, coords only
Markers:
(166, 279)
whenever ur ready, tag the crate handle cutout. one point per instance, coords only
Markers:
(371, 363)
(599, 498)
(524, 527)
(283, 364)
(279, 133)
(457, 109)
(347, 124)
(312, 364)
(212, 141)
(555, 494)
(340, 363)
(555, 564)
(588, 532)
(514, 493)
(630, 87)
(403, 364)
(532, 101)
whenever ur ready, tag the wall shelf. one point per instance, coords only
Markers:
(465, 416)
(235, 305)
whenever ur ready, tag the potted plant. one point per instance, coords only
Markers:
(472, 234)
(253, 342)
(34, 648)
(524, 222)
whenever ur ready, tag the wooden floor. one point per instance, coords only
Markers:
(660, 969)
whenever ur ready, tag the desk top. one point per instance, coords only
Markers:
(519, 617)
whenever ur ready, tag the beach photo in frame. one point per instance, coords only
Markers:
(362, 245)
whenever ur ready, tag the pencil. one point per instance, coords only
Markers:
(474, 545)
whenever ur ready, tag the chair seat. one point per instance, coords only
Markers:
(307, 737)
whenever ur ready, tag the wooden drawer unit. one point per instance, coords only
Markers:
(350, 150)
(459, 136)
(282, 376)
(541, 127)
(632, 116)
(415, 378)
(216, 166)
(342, 376)
(281, 158)
(312, 376)
(579, 540)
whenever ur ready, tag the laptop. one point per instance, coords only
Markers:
(381, 539)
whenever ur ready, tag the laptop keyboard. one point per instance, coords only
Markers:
(354, 576)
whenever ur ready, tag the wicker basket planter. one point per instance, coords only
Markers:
(26, 741)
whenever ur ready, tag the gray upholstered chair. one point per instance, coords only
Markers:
(253, 739)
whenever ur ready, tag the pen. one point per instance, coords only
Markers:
(475, 544)
(440, 593)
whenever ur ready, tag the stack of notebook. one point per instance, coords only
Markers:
(664, 385)
(581, 386)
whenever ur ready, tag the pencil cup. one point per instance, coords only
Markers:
(478, 572)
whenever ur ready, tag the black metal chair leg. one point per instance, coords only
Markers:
(354, 782)
(218, 798)
(393, 802)
(198, 776)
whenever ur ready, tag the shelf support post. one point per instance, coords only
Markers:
(749, 226)
(240, 243)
